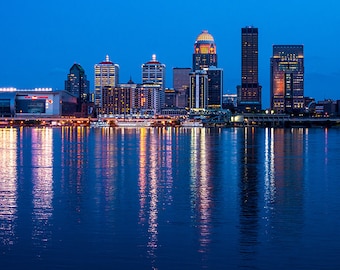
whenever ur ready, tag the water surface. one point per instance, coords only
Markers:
(169, 198)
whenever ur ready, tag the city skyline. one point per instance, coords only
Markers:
(45, 40)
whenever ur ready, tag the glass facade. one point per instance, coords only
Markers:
(78, 85)
(5, 108)
(181, 84)
(31, 106)
(287, 79)
(249, 94)
(215, 87)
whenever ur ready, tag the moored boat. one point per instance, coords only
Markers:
(133, 123)
(99, 124)
(192, 123)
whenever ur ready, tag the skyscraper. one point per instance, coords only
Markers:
(106, 75)
(287, 79)
(205, 58)
(78, 85)
(249, 92)
(198, 90)
(215, 86)
(146, 99)
(181, 84)
(181, 78)
(153, 73)
(204, 52)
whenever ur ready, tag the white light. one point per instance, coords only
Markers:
(8, 89)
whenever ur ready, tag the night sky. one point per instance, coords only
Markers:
(40, 40)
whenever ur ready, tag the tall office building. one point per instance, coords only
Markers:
(106, 75)
(153, 73)
(249, 92)
(198, 99)
(287, 79)
(78, 85)
(205, 58)
(146, 99)
(181, 78)
(181, 84)
(116, 100)
(215, 86)
(204, 52)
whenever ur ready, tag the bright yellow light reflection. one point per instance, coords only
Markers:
(42, 179)
(142, 175)
(201, 186)
(8, 185)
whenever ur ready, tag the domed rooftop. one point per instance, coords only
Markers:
(204, 44)
(205, 36)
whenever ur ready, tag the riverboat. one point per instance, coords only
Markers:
(99, 124)
(134, 123)
(192, 123)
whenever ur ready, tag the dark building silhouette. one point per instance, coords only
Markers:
(287, 79)
(249, 92)
(78, 85)
(215, 86)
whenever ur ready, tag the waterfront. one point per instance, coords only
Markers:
(169, 198)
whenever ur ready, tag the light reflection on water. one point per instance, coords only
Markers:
(160, 198)
(42, 180)
(200, 163)
(8, 186)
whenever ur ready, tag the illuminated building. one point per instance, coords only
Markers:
(287, 79)
(198, 90)
(205, 58)
(146, 99)
(181, 84)
(229, 102)
(78, 85)
(106, 75)
(170, 98)
(153, 72)
(204, 52)
(116, 100)
(36, 102)
(249, 92)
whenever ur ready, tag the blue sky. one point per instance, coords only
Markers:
(40, 40)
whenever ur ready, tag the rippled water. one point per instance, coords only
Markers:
(167, 198)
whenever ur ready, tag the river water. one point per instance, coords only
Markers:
(169, 198)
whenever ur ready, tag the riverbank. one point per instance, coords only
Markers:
(252, 120)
